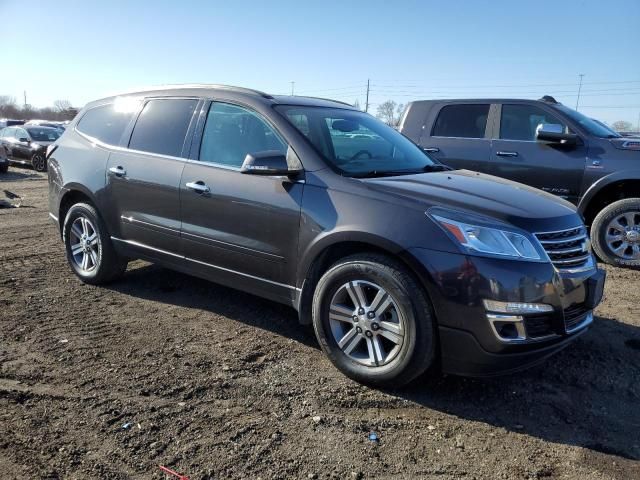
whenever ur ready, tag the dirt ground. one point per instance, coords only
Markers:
(165, 369)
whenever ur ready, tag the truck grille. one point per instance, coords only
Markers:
(566, 248)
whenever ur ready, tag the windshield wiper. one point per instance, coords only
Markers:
(409, 171)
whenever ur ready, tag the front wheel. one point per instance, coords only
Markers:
(615, 233)
(374, 321)
(90, 252)
(39, 162)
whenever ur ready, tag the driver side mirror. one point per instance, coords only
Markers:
(23, 140)
(269, 162)
(554, 133)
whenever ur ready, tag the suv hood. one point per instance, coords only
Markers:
(522, 206)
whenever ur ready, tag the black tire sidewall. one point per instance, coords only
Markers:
(74, 213)
(419, 337)
(599, 230)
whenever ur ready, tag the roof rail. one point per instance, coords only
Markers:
(203, 85)
(326, 100)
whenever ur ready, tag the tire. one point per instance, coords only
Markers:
(615, 233)
(89, 242)
(404, 330)
(4, 168)
(39, 162)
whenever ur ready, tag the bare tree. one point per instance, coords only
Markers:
(356, 104)
(62, 106)
(622, 126)
(387, 112)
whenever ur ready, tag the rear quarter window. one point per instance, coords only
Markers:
(105, 123)
(463, 121)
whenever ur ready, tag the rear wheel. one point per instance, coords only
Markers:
(615, 233)
(90, 252)
(39, 162)
(374, 321)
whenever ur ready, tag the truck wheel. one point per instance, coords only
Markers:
(90, 252)
(374, 321)
(615, 233)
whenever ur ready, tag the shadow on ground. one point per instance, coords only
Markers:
(588, 395)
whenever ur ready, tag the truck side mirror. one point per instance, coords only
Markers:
(554, 133)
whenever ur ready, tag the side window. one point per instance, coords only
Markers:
(519, 122)
(105, 123)
(231, 132)
(162, 126)
(463, 121)
(20, 133)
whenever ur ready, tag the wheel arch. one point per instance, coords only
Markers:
(613, 187)
(74, 193)
(329, 250)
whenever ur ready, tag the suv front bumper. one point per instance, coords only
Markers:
(459, 284)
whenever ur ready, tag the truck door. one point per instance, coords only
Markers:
(458, 136)
(516, 155)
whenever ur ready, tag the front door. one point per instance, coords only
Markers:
(516, 154)
(143, 181)
(240, 229)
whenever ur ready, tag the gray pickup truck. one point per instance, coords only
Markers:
(547, 145)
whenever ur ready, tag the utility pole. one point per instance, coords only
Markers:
(366, 104)
(292, 85)
(579, 88)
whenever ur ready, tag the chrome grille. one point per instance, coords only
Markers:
(566, 248)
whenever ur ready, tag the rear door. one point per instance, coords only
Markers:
(516, 154)
(143, 180)
(239, 229)
(459, 136)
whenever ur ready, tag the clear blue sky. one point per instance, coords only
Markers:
(82, 50)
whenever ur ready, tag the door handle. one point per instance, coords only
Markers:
(198, 187)
(431, 149)
(507, 154)
(118, 171)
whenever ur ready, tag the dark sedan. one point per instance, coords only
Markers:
(28, 144)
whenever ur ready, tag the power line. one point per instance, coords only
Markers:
(579, 88)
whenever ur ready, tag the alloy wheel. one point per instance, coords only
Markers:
(39, 162)
(623, 235)
(84, 242)
(367, 323)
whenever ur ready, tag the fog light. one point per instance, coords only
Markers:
(516, 307)
(508, 328)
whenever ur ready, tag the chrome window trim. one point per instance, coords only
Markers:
(142, 245)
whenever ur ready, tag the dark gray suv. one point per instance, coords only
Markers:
(399, 262)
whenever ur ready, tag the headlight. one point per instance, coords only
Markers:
(482, 239)
(35, 146)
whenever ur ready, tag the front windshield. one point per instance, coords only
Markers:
(355, 143)
(43, 134)
(592, 126)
